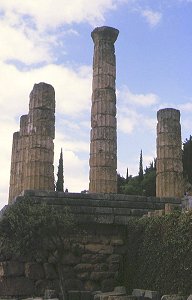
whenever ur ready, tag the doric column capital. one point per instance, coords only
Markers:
(167, 113)
(104, 33)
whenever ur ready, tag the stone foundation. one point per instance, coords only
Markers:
(96, 265)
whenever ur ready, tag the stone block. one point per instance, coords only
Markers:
(129, 297)
(121, 219)
(97, 276)
(83, 276)
(101, 267)
(153, 295)
(74, 295)
(99, 248)
(108, 285)
(86, 295)
(94, 258)
(114, 258)
(50, 271)
(190, 297)
(34, 271)
(42, 285)
(90, 285)
(71, 259)
(11, 268)
(117, 242)
(139, 293)
(104, 219)
(50, 294)
(173, 297)
(120, 290)
(73, 284)
(17, 286)
(83, 267)
(113, 267)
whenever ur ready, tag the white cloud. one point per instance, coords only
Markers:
(51, 13)
(130, 111)
(185, 107)
(127, 121)
(153, 18)
(24, 44)
(144, 100)
(72, 86)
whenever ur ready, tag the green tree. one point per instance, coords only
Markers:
(133, 187)
(60, 177)
(38, 231)
(120, 183)
(141, 167)
(127, 176)
(187, 159)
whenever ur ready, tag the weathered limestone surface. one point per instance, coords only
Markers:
(13, 187)
(41, 131)
(33, 148)
(103, 148)
(114, 209)
(169, 180)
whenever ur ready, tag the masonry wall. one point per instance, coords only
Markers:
(101, 248)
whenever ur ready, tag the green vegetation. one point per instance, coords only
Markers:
(187, 160)
(39, 232)
(159, 254)
(143, 184)
(60, 178)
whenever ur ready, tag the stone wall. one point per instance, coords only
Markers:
(101, 248)
(95, 266)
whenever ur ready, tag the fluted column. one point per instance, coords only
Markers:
(169, 178)
(39, 172)
(14, 167)
(103, 147)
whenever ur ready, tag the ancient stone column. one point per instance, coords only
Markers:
(39, 171)
(103, 147)
(14, 167)
(169, 178)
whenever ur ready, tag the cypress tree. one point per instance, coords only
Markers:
(141, 167)
(60, 177)
(127, 176)
(187, 159)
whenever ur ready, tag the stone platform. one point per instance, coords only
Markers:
(101, 208)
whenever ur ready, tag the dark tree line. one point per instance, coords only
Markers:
(145, 182)
(142, 184)
(187, 160)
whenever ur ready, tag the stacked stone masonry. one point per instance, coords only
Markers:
(96, 266)
(169, 179)
(33, 148)
(103, 147)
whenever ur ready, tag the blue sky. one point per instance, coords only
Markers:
(49, 40)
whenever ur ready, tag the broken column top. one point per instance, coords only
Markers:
(105, 33)
(167, 113)
(42, 95)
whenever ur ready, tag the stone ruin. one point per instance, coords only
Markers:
(103, 148)
(102, 212)
(33, 149)
(169, 173)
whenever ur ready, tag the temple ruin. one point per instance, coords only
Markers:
(103, 147)
(96, 263)
(33, 148)
(169, 173)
